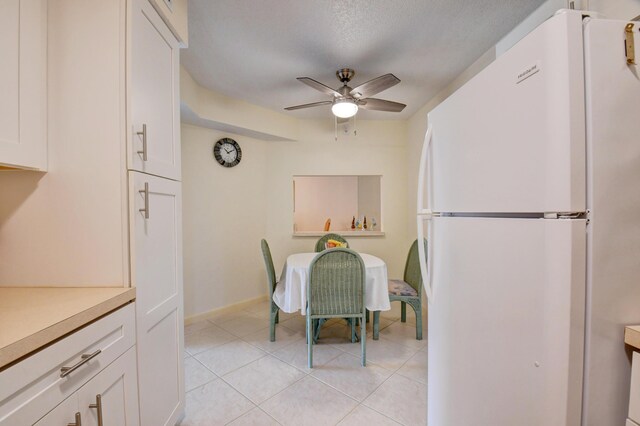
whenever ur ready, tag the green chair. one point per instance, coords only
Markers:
(320, 243)
(406, 291)
(271, 280)
(336, 289)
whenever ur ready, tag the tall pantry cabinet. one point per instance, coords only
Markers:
(108, 210)
(153, 159)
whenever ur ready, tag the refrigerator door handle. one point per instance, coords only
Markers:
(423, 172)
(424, 175)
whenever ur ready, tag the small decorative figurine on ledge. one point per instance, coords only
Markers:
(373, 223)
(353, 223)
(365, 223)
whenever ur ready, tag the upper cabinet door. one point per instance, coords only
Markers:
(154, 139)
(175, 14)
(23, 84)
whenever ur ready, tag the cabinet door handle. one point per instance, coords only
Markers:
(145, 194)
(143, 133)
(98, 407)
(65, 371)
(78, 421)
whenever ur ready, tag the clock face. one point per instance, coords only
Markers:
(227, 152)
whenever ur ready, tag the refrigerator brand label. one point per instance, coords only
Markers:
(528, 72)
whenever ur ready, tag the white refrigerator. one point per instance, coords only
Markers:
(531, 172)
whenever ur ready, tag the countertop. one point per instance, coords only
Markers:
(632, 336)
(33, 317)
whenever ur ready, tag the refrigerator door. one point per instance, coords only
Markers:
(613, 283)
(506, 323)
(512, 139)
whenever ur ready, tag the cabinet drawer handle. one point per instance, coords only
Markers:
(98, 407)
(143, 133)
(78, 421)
(65, 371)
(145, 194)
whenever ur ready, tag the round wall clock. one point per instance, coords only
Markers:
(227, 152)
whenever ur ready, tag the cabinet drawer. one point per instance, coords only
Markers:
(32, 387)
(634, 391)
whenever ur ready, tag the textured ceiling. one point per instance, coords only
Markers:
(254, 49)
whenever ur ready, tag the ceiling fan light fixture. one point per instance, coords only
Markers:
(344, 108)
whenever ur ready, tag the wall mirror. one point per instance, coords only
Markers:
(338, 199)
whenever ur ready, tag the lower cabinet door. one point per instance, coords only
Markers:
(156, 253)
(111, 397)
(64, 414)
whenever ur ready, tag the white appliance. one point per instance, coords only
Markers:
(532, 176)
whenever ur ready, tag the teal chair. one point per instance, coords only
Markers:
(271, 281)
(406, 291)
(336, 289)
(320, 243)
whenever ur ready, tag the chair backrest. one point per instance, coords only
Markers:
(412, 274)
(336, 283)
(327, 237)
(268, 263)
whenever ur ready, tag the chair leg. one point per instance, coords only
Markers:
(309, 343)
(403, 312)
(277, 316)
(363, 339)
(272, 326)
(417, 308)
(317, 327)
(376, 324)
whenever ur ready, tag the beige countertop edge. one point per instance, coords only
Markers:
(632, 336)
(44, 337)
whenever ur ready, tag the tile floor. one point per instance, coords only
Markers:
(235, 375)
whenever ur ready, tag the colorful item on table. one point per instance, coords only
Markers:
(334, 243)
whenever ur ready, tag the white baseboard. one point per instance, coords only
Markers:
(225, 309)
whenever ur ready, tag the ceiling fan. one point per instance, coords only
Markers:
(346, 101)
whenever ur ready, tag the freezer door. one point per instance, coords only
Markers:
(506, 321)
(512, 139)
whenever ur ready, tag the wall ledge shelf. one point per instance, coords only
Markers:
(343, 233)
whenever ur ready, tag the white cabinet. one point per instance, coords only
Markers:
(23, 84)
(109, 399)
(174, 13)
(113, 69)
(634, 391)
(102, 358)
(156, 246)
(155, 68)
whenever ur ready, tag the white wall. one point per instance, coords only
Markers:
(379, 149)
(223, 221)
(616, 9)
(227, 211)
(369, 200)
(319, 198)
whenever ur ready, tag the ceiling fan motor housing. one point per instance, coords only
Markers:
(345, 75)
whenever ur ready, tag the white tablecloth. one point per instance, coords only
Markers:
(291, 292)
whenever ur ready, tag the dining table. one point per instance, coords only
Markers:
(291, 291)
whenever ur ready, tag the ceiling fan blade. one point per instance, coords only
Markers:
(381, 105)
(374, 86)
(319, 86)
(314, 104)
